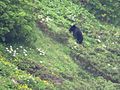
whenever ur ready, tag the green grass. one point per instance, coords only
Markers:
(55, 61)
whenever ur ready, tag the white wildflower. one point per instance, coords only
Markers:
(17, 48)
(14, 54)
(40, 16)
(43, 53)
(75, 47)
(43, 19)
(25, 54)
(114, 68)
(38, 49)
(40, 53)
(98, 40)
(10, 46)
(113, 43)
(6, 48)
(14, 51)
(14, 81)
(11, 49)
(109, 65)
(48, 19)
(24, 50)
(99, 37)
(41, 62)
(104, 45)
(21, 46)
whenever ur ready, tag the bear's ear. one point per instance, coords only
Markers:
(74, 25)
(72, 28)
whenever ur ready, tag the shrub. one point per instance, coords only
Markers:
(104, 10)
(16, 23)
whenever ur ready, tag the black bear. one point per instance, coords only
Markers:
(76, 33)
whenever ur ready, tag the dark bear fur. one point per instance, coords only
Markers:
(77, 34)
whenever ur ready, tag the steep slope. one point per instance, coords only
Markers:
(55, 61)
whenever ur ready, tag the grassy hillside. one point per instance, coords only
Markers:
(53, 60)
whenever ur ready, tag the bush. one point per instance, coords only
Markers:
(16, 21)
(104, 10)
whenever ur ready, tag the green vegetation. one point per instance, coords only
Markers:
(104, 10)
(38, 53)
